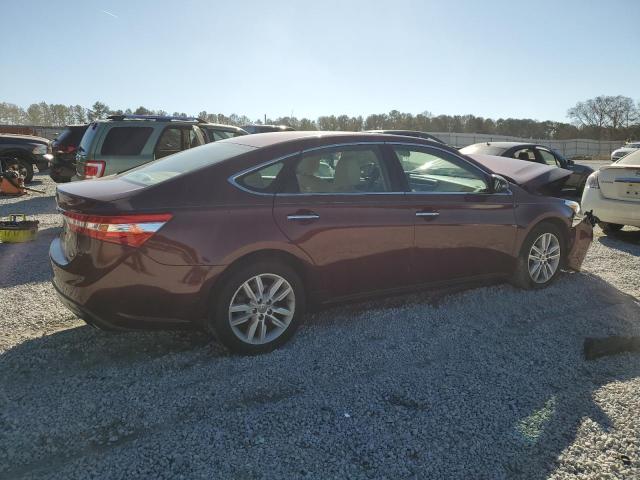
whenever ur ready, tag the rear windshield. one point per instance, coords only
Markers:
(482, 148)
(184, 162)
(125, 140)
(87, 138)
(71, 136)
(630, 159)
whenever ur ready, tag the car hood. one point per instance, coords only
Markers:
(24, 138)
(534, 177)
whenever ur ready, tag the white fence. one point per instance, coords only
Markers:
(569, 148)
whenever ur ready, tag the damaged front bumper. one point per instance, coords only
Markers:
(580, 239)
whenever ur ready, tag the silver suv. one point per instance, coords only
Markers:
(122, 142)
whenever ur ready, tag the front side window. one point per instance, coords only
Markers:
(548, 158)
(342, 170)
(125, 140)
(438, 172)
(195, 138)
(216, 135)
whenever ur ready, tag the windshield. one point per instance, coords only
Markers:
(630, 159)
(184, 162)
(632, 145)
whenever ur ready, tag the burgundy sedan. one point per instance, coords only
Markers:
(239, 236)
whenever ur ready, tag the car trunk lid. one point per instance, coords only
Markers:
(620, 182)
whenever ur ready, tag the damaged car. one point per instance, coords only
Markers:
(241, 236)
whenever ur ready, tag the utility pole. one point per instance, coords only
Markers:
(265, 118)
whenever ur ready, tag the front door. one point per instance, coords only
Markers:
(341, 207)
(461, 229)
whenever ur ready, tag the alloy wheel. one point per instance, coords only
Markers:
(262, 308)
(544, 258)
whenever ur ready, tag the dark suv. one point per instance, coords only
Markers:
(122, 142)
(21, 152)
(64, 148)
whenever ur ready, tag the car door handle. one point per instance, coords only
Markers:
(303, 216)
(427, 214)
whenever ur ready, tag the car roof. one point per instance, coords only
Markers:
(260, 140)
(506, 145)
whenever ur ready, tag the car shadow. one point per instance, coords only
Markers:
(32, 205)
(490, 383)
(627, 240)
(14, 271)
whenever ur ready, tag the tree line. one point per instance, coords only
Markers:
(602, 118)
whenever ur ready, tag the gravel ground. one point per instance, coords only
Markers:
(487, 383)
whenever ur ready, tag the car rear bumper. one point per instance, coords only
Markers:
(622, 212)
(135, 292)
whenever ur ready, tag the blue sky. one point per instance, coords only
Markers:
(489, 58)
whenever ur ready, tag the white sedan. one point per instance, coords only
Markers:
(623, 151)
(612, 194)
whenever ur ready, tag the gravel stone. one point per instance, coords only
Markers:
(484, 383)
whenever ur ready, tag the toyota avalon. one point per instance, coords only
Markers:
(241, 235)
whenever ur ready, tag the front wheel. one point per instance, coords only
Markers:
(610, 228)
(540, 258)
(257, 308)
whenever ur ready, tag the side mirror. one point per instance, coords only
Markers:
(499, 184)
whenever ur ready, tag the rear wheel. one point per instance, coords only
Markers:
(540, 258)
(23, 167)
(257, 308)
(609, 228)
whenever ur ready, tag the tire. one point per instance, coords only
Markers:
(526, 275)
(59, 179)
(17, 164)
(610, 228)
(255, 319)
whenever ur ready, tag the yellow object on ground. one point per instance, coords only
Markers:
(17, 231)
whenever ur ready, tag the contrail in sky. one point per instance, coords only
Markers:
(109, 13)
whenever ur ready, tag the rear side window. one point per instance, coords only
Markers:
(125, 140)
(261, 180)
(184, 162)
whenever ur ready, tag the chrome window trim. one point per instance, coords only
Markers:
(233, 179)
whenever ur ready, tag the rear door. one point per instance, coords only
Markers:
(343, 208)
(461, 229)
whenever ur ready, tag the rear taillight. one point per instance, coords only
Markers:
(131, 230)
(592, 181)
(94, 169)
